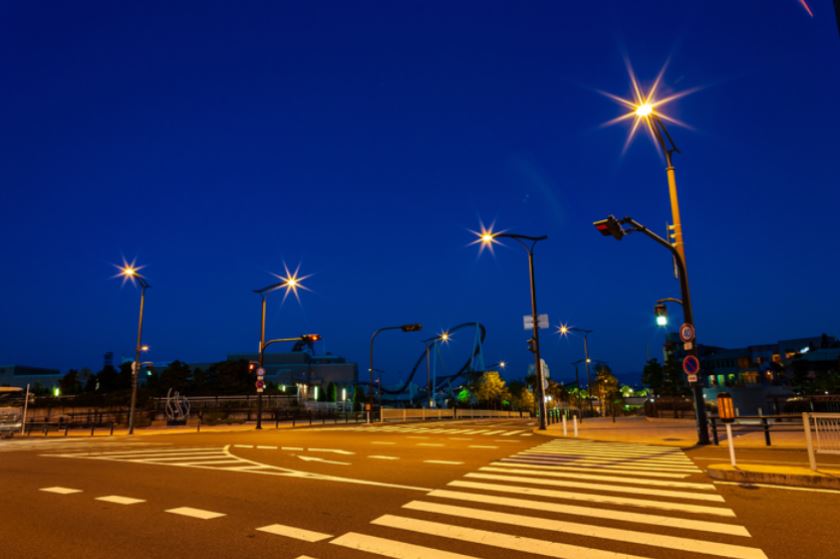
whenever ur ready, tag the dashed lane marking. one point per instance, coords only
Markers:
(430, 444)
(383, 457)
(447, 462)
(482, 446)
(294, 532)
(196, 513)
(60, 490)
(120, 500)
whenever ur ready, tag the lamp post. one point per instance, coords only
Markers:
(290, 283)
(431, 380)
(564, 330)
(487, 238)
(612, 226)
(131, 272)
(416, 327)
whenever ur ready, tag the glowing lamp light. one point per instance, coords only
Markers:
(485, 237)
(644, 110)
(662, 320)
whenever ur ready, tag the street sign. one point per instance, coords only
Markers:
(260, 372)
(691, 365)
(687, 332)
(260, 385)
(692, 378)
(528, 321)
(688, 346)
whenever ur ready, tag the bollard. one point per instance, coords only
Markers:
(92, 428)
(714, 431)
(293, 421)
(112, 428)
(565, 427)
(66, 428)
(731, 444)
(575, 425)
(766, 431)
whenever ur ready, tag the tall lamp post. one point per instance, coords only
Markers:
(431, 380)
(613, 227)
(290, 283)
(130, 272)
(487, 238)
(564, 330)
(416, 327)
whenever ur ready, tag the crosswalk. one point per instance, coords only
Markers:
(60, 444)
(415, 429)
(565, 499)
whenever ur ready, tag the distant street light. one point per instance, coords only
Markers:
(564, 330)
(442, 338)
(688, 315)
(131, 272)
(486, 239)
(416, 327)
(289, 283)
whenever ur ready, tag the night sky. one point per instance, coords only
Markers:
(214, 141)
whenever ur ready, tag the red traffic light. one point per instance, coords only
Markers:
(252, 366)
(610, 226)
(411, 327)
(310, 337)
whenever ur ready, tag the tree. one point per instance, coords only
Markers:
(653, 376)
(606, 386)
(176, 376)
(69, 383)
(491, 388)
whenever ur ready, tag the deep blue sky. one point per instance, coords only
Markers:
(215, 140)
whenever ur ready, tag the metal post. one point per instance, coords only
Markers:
(766, 431)
(135, 367)
(731, 444)
(812, 457)
(565, 427)
(575, 425)
(260, 360)
(588, 373)
(536, 333)
(25, 409)
(714, 432)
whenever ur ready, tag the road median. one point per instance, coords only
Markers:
(776, 475)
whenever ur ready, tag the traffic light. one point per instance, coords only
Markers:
(610, 226)
(411, 327)
(532, 345)
(661, 313)
(310, 337)
(252, 366)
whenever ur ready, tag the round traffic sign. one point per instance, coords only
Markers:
(260, 372)
(691, 365)
(260, 384)
(687, 332)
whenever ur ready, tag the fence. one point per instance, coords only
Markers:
(826, 434)
(423, 414)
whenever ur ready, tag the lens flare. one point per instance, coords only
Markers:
(128, 271)
(486, 238)
(292, 282)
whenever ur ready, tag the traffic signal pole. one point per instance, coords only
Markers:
(536, 333)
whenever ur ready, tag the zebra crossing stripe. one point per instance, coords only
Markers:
(394, 549)
(60, 490)
(607, 514)
(611, 463)
(294, 532)
(596, 498)
(591, 531)
(511, 433)
(597, 465)
(596, 477)
(496, 539)
(609, 455)
(714, 497)
(571, 468)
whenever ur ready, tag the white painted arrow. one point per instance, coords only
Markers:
(333, 450)
(316, 459)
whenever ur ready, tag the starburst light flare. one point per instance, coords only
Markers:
(645, 107)
(128, 271)
(292, 282)
(486, 238)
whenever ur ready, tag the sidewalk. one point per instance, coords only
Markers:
(776, 475)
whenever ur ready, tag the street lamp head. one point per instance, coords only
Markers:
(502, 364)
(130, 271)
(444, 337)
(411, 327)
(485, 238)
(291, 282)
(644, 110)
(144, 348)
(563, 329)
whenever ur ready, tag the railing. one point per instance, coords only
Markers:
(424, 414)
(826, 434)
(753, 423)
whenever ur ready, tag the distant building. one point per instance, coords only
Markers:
(761, 376)
(21, 375)
(301, 367)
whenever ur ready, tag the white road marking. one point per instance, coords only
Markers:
(595, 498)
(243, 446)
(482, 446)
(304, 557)
(495, 432)
(571, 468)
(526, 435)
(291, 448)
(451, 462)
(460, 438)
(475, 431)
(227, 461)
(60, 490)
(296, 533)
(608, 514)
(592, 531)
(120, 500)
(714, 497)
(429, 444)
(415, 437)
(196, 513)
(511, 433)
(266, 447)
(496, 539)
(596, 477)
(394, 549)
(783, 487)
(332, 450)
(383, 457)
(382, 442)
(322, 460)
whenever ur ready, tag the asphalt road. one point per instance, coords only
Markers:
(449, 490)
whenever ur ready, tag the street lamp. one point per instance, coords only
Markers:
(289, 283)
(416, 327)
(442, 338)
(607, 227)
(564, 330)
(486, 239)
(131, 272)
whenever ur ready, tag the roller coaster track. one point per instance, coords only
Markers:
(444, 380)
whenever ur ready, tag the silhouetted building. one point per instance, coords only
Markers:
(21, 375)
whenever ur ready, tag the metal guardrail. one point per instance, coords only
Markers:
(826, 434)
(765, 423)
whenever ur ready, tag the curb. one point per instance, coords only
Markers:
(725, 472)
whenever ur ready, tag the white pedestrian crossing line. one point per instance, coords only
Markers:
(383, 457)
(201, 514)
(120, 500)
(581, 468)
(394, 549)
(450, 462)
(597, 477)
(60, 490)
(295, 533)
